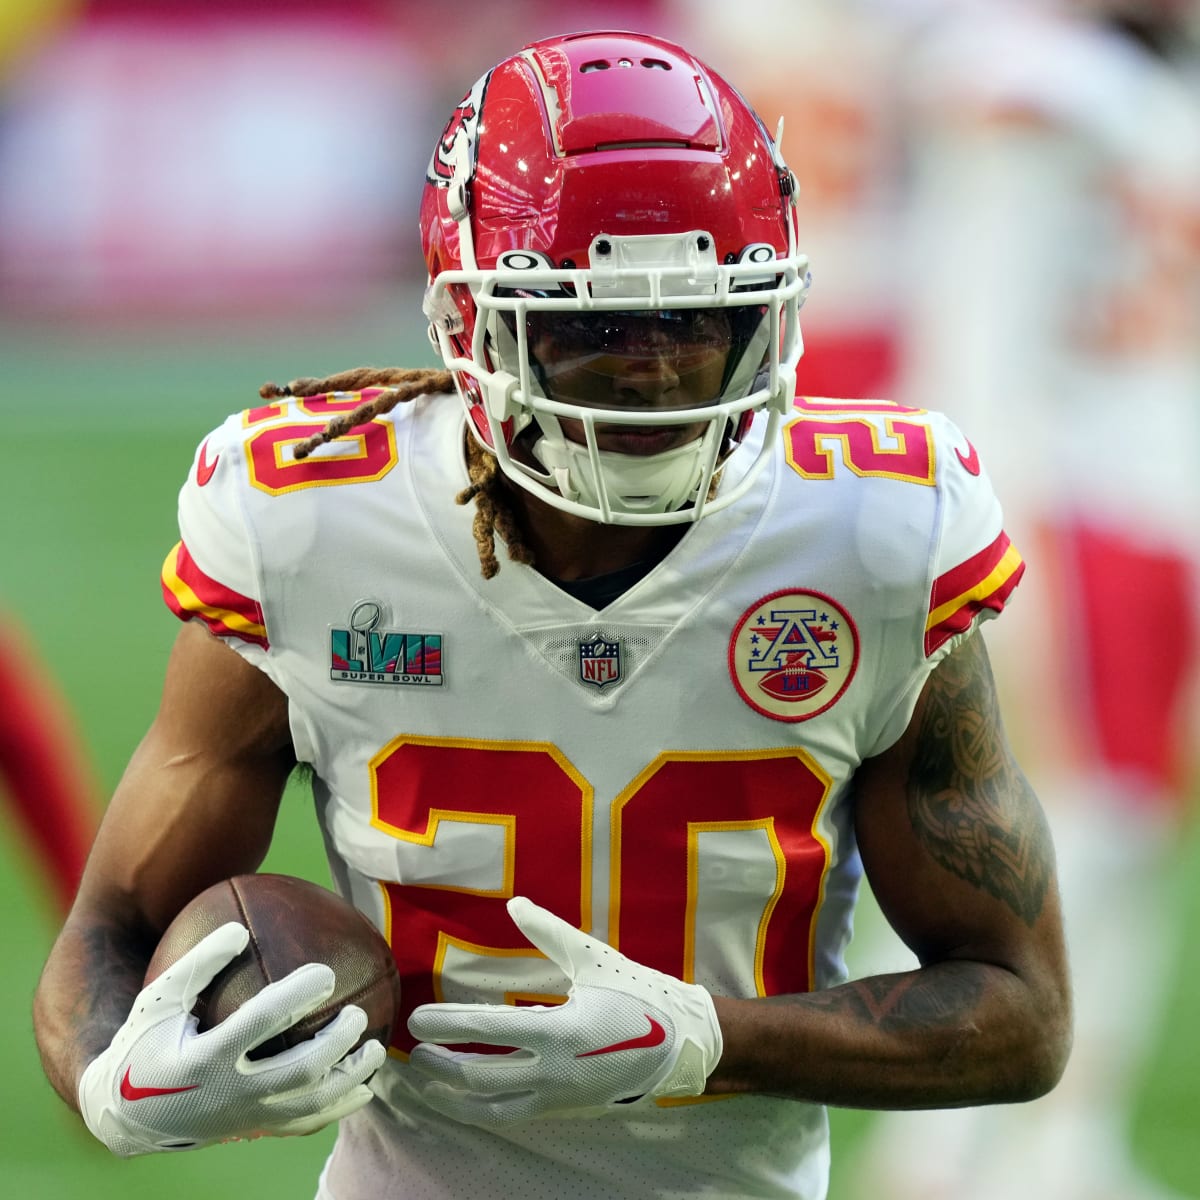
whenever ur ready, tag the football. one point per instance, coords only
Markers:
(291, 922)
(793, 683)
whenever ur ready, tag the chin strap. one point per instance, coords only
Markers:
(628, 483)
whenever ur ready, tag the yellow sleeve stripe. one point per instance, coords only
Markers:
(189, 593)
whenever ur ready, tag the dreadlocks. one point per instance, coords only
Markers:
(397, 385)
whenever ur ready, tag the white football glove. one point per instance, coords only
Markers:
(626, 1033)
(162, 1085)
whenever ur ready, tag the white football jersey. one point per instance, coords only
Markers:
(668, 773)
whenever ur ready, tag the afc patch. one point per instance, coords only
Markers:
(599, 661)
(364, 653)
(793, 654)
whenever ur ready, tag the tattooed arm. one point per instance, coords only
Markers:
(196, 804)
(957, 851)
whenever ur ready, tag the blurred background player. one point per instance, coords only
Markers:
(45, 776)
(1055, 256)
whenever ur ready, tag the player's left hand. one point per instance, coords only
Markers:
(626, 1033)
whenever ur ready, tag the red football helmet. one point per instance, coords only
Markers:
(597, 200)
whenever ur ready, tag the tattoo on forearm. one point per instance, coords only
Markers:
(936, 997)
(967, 799)
(108, 955)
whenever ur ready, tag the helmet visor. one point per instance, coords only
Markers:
(659, 359)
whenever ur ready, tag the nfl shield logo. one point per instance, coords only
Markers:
(599, 661)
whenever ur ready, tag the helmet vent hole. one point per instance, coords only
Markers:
(604, 64)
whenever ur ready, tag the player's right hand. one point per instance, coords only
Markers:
(163, 1085)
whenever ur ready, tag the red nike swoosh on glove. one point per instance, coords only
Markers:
(655, 1037)
(130, 1091)
(204, 468)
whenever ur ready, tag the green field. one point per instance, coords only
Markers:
(99, 429)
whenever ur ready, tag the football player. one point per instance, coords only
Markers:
(1057, 220)
(609, 799)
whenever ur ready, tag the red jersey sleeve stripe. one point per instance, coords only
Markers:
(189, 593)
(985, 580)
